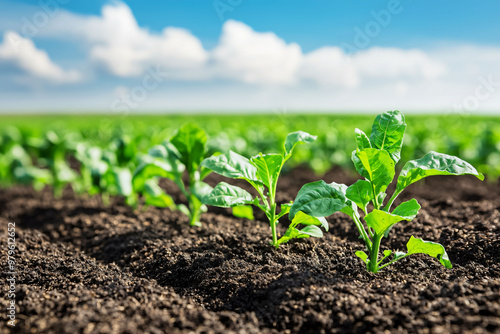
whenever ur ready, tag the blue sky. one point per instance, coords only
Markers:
(67, 55)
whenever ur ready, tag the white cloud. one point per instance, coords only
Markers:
(254, 57)
(329, 66)
(384, 63)
(116, 41)
(22, 53)
(125, 49)
(275, 73)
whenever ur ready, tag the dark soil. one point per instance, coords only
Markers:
(88, 268)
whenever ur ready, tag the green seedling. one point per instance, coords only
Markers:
(52, 152)
(374, 159)
(261, 172)
(182, 154)
(102, 174)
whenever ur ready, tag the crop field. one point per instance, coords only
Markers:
(291, 223)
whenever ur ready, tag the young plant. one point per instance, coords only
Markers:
(375, 158)
(102, 174)
(183, 153)
(52, 151)
(262, 172)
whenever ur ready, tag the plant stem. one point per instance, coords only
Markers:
(392, 261)
(391, 200)
(195, 217)
(362, 232)
(373, 267)
(272, 220)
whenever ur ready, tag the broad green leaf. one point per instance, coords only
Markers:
(154, 167)
(360, 193)
(381, 221)
(381, 197)
(434, 163)
(201, 189)
(285, 208)
(232, 165)
(416, 245)
(387, 133)
(362, 140)
(408, 209)
(123, 180)
(291, 233)
(227, 196)
(305, 219)
(313, 231)
(190, 141)
(387, 252)
(158, 151)
(243, 211)
(319, 199)
(31, 174)
(378, 168)
(350, 209)
(155, 196)
(294, 138)
(268, 168)
(363, 256)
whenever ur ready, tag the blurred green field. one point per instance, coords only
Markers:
(473, 138)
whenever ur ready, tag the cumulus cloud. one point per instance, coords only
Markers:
(118, 43)
(22, 53)
(380, 62)
(242, 54)
(329, 66)
(253, 57)
(274, 72)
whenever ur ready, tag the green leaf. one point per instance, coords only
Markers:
(408, 209)
(434, 163)
(381, 221)
(387, 133)
(232, 165)
(313, 231)
(291, 233)
(200, 189)
(268, 168)
(416, 245)
(152, 168)
(227, 196)
(294, 138)
(123, 180)
(155, 196)
(360, 193)
(378, 168)
(190, 141)
(285, 208)
(362, 140)
(302, 218)
(319, 199)
(363, 256)
(243, 211)
(158, 151)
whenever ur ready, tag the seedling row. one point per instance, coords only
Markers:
(188, 157)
